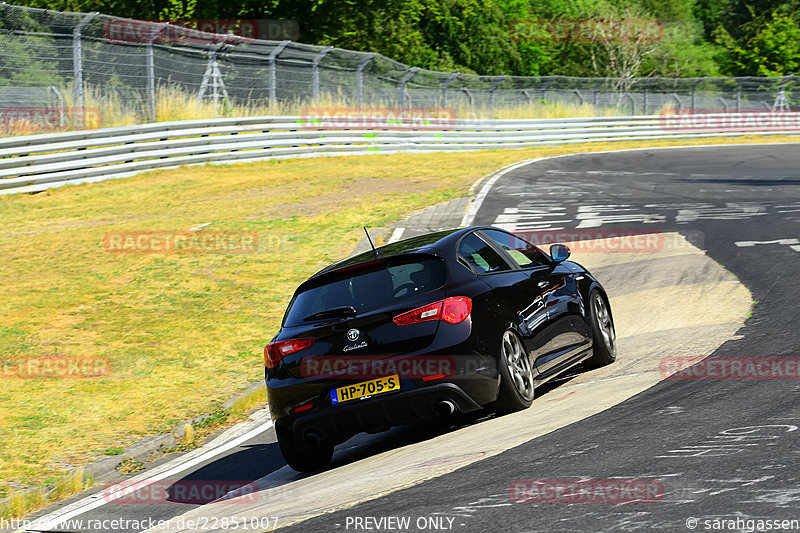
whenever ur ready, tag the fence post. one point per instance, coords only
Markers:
(62, 117)
(544, 88)
(596, 90)
(739, 95)
(471, 101)
(273, 100)
(407, 76)
(694, 92)
(633, 102)
(151, 68)
(528, 96)
(781, 104)
(360, 79)
(644, 96)
(77, 58)
(151, 84)
(213, 77)
(492, 88)
(445, 84)
(315, 72)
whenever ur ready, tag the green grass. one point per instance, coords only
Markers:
(182, 332)
(113, 451)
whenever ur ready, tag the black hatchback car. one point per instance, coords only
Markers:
(451, 321)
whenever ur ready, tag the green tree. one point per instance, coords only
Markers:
(769, 45)
(20, 61)
(700, 38)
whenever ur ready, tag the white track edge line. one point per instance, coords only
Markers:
(94, 501)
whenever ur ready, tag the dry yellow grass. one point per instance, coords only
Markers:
(108, 109)
(183, 332)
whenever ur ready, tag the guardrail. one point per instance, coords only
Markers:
(38, 162)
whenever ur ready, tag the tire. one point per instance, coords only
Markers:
(306, 458)
(516, 375)
(604, 351)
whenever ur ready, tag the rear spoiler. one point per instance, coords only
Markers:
(326, 276)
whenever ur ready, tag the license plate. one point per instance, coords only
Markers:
(365, 388)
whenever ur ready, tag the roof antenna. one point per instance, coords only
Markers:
(374, 251)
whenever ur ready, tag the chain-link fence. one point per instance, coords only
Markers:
(57, 57)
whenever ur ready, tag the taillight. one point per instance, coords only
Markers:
(456, 309)
(420, 314)
(275, 351)
(451, 310)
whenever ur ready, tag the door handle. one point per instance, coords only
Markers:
(543, 284)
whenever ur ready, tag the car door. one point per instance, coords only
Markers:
(515, 290)
(564, 337)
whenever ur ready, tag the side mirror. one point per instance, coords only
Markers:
(559, 252)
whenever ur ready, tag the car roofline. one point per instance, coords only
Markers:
(434, 248)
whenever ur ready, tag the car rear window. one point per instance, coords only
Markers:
(368, 288)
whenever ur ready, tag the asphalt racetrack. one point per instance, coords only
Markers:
(723, 449)
(704, 454)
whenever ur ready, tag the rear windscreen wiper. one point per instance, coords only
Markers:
(345, 310)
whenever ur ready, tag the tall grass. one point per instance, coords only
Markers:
(103, 108)
(19, 504)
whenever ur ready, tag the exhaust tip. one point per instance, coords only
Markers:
(444, 407)
(313, 438)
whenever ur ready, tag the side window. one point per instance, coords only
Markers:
(522, 252)
(481, 256)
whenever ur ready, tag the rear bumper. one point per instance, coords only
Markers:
(338, 423)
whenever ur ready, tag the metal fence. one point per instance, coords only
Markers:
(37, 162)
(58, 56)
